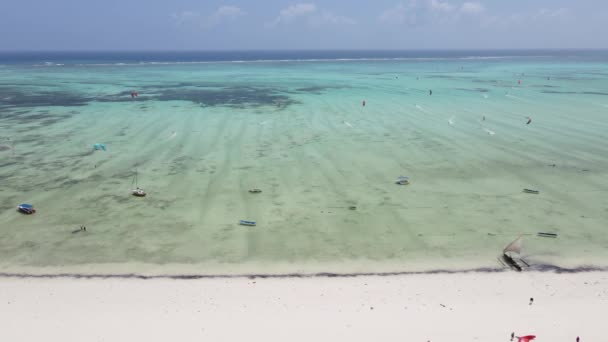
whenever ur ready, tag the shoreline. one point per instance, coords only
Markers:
(537, 268)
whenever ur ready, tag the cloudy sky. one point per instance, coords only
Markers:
(279, 24)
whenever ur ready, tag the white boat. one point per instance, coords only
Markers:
(402, 180)
(138, 192)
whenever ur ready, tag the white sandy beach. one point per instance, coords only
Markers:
(440, 307)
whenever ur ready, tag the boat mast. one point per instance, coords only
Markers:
(135, 179)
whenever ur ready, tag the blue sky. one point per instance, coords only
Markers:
(278, 24)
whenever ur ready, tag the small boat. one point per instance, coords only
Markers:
(25, 208)
(255, 191)
(511, 254)
(247, 223)
(549, 235)
(99, 147)
(402, 180)
(530, 191)
(137, 192)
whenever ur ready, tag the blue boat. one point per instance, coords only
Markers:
(247, 223)
(26, 208)
(98, 147)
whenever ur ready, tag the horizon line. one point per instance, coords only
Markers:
(303, 50)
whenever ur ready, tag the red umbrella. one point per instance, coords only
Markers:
(526, 338)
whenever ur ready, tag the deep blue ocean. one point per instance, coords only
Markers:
(117, 57)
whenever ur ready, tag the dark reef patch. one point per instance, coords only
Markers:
(574, 92)
(21, 98)
(236, 97)
(487, 81)
(212, 96)
(476, 90)
(204, 94)
(318, 89)
(594, 93)
(543, 86)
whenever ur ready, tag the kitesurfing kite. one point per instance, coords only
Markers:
(526, 338)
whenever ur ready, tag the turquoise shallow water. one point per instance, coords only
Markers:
(202, 134)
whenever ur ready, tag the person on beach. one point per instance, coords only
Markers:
(531, 301)
(529, 120)
(430, 92)
(363, 103)
(578, 339)
(512, 336)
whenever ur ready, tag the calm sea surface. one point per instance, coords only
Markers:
(207, 127)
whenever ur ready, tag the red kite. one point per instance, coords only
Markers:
(526, 338)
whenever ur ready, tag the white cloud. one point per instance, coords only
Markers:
(419, 12)
(543, 18)
(437, 5)
(294, 11)
(220, 15)
(472, 8)
(313, 15)
(399, 14)
(553, 13)
(185, 16)
(330, 18)
(230, 11)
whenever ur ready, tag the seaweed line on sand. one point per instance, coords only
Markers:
(537, 268)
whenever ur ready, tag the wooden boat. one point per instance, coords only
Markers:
(511, 255)
(530, 191)
(255, 191)
(247, 223)
(509, 261)
(549, 235)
